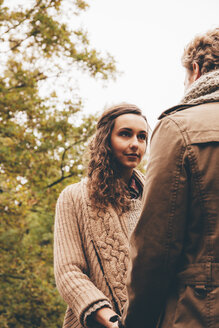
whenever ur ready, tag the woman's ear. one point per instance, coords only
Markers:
(196, 71)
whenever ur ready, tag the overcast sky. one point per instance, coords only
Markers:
(147, 39)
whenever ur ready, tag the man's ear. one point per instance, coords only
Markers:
(196, 71)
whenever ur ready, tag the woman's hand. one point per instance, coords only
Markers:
(103, 316)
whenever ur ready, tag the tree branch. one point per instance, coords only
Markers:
(61, 166)
(23, 20)
(22, 85)
(11, 276)
(59, 180)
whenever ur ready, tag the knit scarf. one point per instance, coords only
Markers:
(203, 90)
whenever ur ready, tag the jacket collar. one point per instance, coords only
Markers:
(173, 110)
(178, 108)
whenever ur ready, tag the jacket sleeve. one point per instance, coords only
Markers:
(70, 265)
(156, 243)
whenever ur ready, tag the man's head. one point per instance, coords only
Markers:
(201, 56)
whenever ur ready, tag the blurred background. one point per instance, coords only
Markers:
(62, 63)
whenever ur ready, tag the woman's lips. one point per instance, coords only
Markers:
(132, 155)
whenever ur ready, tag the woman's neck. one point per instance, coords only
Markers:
(125, 174)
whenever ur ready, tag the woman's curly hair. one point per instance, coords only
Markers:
(105, 186)
(204, 50)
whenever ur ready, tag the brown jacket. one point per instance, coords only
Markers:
(91, 253)
(175, 246)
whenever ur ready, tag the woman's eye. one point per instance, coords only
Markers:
(142, 136)
(124, 134)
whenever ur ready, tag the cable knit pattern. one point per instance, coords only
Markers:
(203, 90)
(91, 254)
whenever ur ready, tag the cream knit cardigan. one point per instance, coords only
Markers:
(91, 254)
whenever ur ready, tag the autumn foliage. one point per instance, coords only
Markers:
(42, 141)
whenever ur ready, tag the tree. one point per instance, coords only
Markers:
(42, 142)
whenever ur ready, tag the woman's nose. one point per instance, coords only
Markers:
(134, 142)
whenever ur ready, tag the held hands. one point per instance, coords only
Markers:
(107, 318)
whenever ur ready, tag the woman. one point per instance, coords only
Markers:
(175, 247)
(95, 217)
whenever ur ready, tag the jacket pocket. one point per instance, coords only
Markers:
(205, 136)
(197, 306)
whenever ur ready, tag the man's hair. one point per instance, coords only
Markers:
(204, 50)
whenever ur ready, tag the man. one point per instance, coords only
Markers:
(174, 280)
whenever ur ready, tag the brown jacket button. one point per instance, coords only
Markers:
(200, 291)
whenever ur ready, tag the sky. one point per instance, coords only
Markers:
(147, 39)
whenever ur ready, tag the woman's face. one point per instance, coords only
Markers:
(128, 140)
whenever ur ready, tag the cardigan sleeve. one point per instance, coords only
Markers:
(70, 265)
(88, 320)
